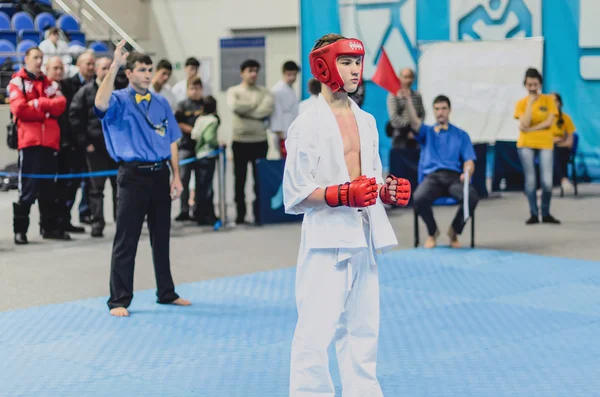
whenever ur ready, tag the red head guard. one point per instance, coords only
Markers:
(323, 62)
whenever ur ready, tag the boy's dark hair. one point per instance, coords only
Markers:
(442, 99)
(137, 57)
(328, 39)
(53, 30)
(164, 64)
(533, 73)
(314, 86)
(290, 66)
(194, 81)
(249, 63)
(210, 105)
(191, 61)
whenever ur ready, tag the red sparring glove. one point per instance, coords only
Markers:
(402, 191)
(282, 150)
(361, 192)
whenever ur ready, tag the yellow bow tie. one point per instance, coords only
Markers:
(139, 98)
(438, 128)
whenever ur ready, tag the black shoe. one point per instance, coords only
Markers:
(56, 235)
(532, 220)
(550, 219)
(74, 229)
(97, 233)
(21, 238)
(240, 222)
(184, 216)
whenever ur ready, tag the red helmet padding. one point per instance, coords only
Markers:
(323, 62)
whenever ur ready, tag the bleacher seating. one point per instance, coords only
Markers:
(24, 45)
(44, 21)
(8, 9)
(99, 46)
(6, 46)
(23, 24)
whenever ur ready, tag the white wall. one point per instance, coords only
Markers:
(194, 28)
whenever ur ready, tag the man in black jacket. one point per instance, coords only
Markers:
(91, 138)
(71, 158)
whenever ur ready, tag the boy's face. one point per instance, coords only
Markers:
(194, 92)
(250, 75)
(290, 76)
(350, 69)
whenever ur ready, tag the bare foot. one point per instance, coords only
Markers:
(431, 240)
(181, 302)
(454, 243)
(119, 312)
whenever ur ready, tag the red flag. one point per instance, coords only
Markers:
(385, 76)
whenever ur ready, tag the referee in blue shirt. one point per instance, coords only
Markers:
(447, 158)
(141, 133)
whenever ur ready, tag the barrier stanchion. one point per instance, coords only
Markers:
(221, 168)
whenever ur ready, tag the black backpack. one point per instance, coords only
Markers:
(12, 133)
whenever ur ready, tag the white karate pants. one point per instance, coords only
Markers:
(336, 301)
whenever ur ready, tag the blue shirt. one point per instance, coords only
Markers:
(444, 150)
(128, 134)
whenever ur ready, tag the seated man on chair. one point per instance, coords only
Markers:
(447, 157)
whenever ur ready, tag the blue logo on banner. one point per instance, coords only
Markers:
(515, 21)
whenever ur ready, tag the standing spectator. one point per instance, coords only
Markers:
(53, 45)
(251, 105)
(71, 158)
(187, 113)
(285, 105)
(563, 130)
(36, 103)
(205, 136)
(192, 68)
(91, 139)
(398, 128)
(159, 82)
(536, 113)
(314, 88)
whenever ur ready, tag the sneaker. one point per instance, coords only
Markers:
(550, 219)
(532, 220)
(21, 238)
(566, 186)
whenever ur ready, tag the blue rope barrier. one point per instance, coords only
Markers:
(98, 173)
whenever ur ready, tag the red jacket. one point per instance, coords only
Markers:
(37, 109)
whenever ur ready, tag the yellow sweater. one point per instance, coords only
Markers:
(251, 106)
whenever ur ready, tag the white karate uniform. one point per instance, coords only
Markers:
(305, 104)
(285, 109)
(337, 284)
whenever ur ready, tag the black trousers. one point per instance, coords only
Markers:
(244, 153)
(142, 192)
(100, 161)
(37, 160)
(438, 184)
(562, 155)
(205, 208)
(186, 174)
(69, 162)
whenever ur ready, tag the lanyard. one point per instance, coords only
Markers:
(157, 127)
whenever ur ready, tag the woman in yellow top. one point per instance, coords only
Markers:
(536, 113)
(562, 131)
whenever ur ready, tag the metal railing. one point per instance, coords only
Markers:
(95, 22)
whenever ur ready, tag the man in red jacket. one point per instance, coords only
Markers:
(36, 103)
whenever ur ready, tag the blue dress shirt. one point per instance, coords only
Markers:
(443, 150)
(130, 129)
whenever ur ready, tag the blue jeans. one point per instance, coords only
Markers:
(546, 162)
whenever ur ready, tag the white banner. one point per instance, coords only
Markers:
(484, 81)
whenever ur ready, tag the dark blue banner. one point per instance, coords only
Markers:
(270, 193)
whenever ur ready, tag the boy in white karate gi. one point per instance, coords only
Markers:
(333, 176)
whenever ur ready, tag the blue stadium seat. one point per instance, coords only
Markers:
(4, 21)
(7, 46)
(31, 35)
(9, 35)
(44, 21)
(73, 43)
(68, 24)
(8, 9)
(22, 21)
(24, 45)
(46, 2)
(98, 46)
(76, 36)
